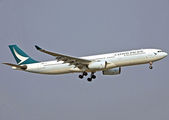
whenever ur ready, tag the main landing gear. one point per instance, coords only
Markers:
(88, 79)
(84, 74)
(91, 77)
(151, 67)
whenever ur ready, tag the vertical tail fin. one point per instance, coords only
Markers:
(20, 56)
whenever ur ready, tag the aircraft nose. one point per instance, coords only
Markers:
(165, 54)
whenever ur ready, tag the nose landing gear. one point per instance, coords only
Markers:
(151, 67)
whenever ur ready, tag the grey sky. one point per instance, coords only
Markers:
(80, 28)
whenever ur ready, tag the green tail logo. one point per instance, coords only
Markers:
(20, 56)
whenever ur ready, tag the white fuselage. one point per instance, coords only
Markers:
(118, 59)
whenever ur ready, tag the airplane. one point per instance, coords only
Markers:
(109, 64)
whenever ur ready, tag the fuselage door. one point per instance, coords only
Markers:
(150, 53)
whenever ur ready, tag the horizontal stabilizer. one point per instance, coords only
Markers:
(23, 67)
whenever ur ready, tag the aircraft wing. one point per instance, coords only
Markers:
(78, 62)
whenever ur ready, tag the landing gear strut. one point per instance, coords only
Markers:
(151, 67)
(92, 77)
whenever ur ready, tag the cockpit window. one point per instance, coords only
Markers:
(160, 51)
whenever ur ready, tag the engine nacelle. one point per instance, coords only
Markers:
(98, 65)
(113, 71)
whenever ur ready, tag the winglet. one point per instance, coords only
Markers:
(38, 48)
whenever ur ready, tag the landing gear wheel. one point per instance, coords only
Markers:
(85, 73)
(93, 76)
(81, 76)
(150, 67)
(89, 79)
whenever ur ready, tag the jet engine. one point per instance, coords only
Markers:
(98, 65)
(113, 71)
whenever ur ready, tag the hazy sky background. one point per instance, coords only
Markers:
(80, 28)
